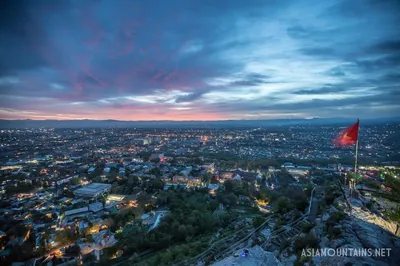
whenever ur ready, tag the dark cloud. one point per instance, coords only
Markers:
(392, 77)
(373, 8)
(258, 76)
(250, 80)
(188, 98)
(68, 52)
(381, 98)
(387, 46)
(382, 63)
(320, 91)
(118, 50)
(249, 83)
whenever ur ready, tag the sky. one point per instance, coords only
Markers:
(199, 60)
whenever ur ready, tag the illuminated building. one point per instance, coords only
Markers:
(92, 190)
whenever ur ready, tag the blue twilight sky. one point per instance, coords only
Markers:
(199, 60)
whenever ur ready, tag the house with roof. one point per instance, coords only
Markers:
(194, 180)
(213, 188)
(225, 175)
(91, 169)
(209, 167)
(179, 179)
(186, 172)
(76, 212)
(95, 206)
(247, 176)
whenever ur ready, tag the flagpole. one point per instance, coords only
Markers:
(355, 159)
(356, 154)
(352, 183)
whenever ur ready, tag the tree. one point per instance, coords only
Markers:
(263, 179)
(257, 221)
(306, 228)
(309, 241)
(143, 199)
(23, 252)
(76, 181)
(232, 199)
(133, 181)
(298, 197)
(181, 233)
(74, 250)
(228, 184)
(65, 237)
(394, 184)
(264, 195)
(20, 230)
(282, 205)
(224, 219)
(131, 237)
(394, 215)
(42, 247)
(308, 190)
(191, 216)
(207, 178)
(155, 171)
(89, 259)
(89, 238)
(329, 196)
(156, 160)
(110, 251)
(154, 185)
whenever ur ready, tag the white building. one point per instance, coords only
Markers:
(92, 190)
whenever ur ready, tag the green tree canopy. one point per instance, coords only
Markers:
(282, 205)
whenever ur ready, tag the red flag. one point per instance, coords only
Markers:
(348, 136)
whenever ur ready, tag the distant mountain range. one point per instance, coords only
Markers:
(189, 124)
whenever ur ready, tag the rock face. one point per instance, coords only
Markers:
(256, 257)
(289, 261)
(340, 261)
(359, 229)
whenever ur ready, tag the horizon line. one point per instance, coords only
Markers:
(264, 119)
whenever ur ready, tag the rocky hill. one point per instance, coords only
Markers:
(337, 228)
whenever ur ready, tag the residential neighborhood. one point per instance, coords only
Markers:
(72, 200)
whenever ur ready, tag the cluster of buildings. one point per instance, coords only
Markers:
(51, 222)
(65, 186)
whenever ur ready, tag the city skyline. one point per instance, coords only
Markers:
(199, 60)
